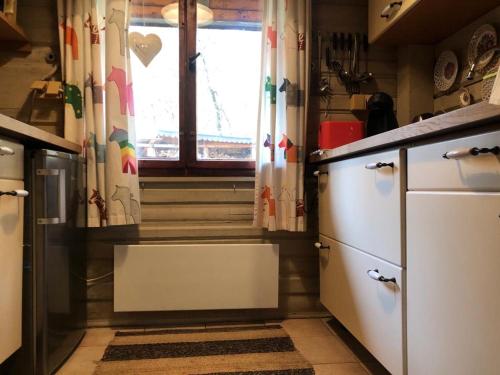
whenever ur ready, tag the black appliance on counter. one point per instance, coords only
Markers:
(54, 286)
(381, 116)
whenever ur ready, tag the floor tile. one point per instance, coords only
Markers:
(323, 349)
(340, 369)
(306, 327)
(374, 368)
(83, 361)
(199, 326)
(235, 325)
(128, 329)
(368, 361)
(98, 337)
(274, 322)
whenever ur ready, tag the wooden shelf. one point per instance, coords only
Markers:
(33, 137)
(12, 37)
(431, 21)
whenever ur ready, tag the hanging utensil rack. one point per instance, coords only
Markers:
(343, 53)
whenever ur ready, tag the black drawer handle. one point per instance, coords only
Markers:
(319, 246)
(319, 173)
(379, 165)
(474, 151)
(375, 275)
(15, 193)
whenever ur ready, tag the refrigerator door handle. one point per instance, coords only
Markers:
(61, 193)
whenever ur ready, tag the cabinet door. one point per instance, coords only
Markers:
(377, 24)
(453, 280)
(361, 206)
(326, 273)
(428, 169)
(11, 258)
(371, 309)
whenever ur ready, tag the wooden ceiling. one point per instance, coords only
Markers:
(224, 10)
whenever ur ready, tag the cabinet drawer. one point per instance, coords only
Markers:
(377, 24)
(362, 207)
(326, 273)
(428, 169)
(11, 268)
(371, 310)
(11, 165)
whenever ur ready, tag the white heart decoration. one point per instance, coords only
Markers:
(144, 47)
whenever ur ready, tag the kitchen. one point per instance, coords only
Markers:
(349, 223)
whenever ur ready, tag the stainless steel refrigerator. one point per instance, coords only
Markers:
(54, 286)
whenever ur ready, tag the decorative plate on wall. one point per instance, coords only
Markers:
(445, 70)
(483, 39)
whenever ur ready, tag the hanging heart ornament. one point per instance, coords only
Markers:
(145, 47)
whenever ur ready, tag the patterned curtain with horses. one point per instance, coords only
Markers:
(281, 135)
(99, 105)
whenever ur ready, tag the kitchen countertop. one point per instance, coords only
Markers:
(473, 116)
(31, 136)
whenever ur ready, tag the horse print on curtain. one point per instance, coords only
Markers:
(99, 112)
(281, 136)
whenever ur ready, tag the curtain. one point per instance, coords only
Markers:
(281, 134)
(99, 105)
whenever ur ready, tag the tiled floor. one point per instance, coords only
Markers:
(329, 351)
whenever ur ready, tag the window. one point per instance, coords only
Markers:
(197, 99)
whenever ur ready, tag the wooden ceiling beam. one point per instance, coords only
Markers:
(237, 15)
(219, 14)
(237, 5)
(147, 3)
(255, 5)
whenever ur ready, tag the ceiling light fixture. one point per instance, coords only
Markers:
(204, 14)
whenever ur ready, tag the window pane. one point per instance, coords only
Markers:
(227, 83)
(156, 86)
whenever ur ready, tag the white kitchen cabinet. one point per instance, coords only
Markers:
(362, 204)
(11, 246)
(377, 24)
(371, 309)
(421, 21)
(453, 279)
(11, 160)
(11, 268)
(470, 164)
(326, 272)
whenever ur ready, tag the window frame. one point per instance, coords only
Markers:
(188, 164)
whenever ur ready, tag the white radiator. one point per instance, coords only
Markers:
(195, 277)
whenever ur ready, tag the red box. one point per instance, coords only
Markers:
(337, 133)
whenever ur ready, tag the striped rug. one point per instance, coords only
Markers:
(256, 350)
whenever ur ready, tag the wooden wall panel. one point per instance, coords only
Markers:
(458, 43)
(200, 212)
(159, 196)
(415, 82)
(348, 16)
(38, 18)
(181, 213)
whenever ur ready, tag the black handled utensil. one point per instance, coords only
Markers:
(336, 67)
(328, 58)
(349, 51)
(366, 75)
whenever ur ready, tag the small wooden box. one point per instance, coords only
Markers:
(358, 102)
